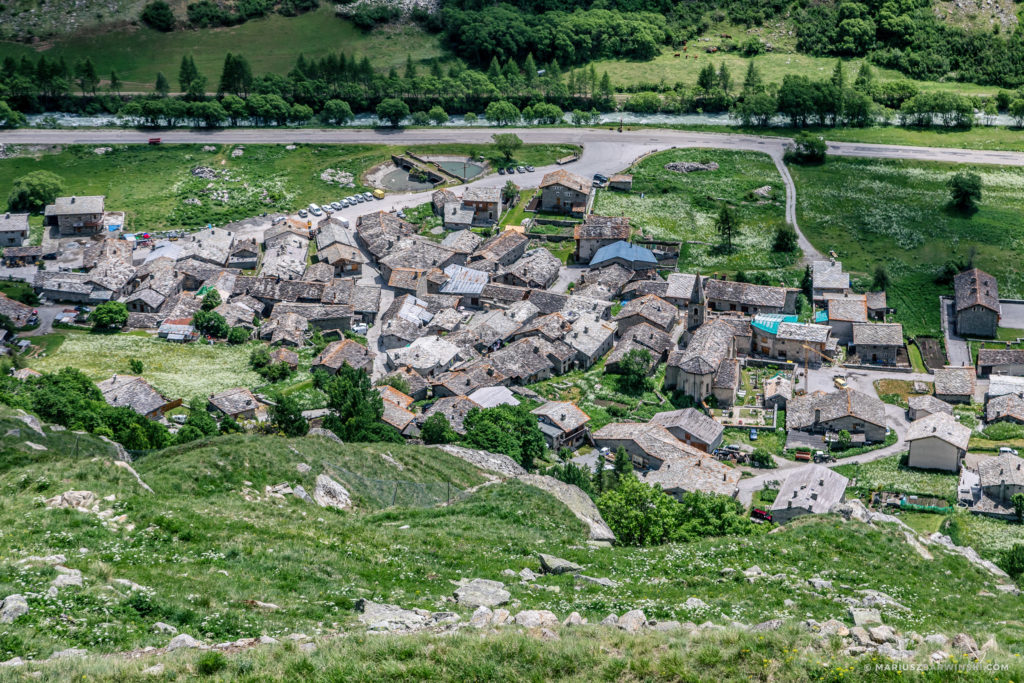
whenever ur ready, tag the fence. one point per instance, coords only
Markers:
(391, 493)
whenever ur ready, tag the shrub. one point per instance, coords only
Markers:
(157, 14)
(135, 366)
(33, 191)
(807, 149)
(210, 663)
(1013, 560)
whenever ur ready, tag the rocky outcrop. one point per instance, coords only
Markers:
(970, 554)
(125, 466)
(536, 618)
(577, 501)
(325, 433)
(549, 564)
(690, 166)
(12, 607)
(331, 494)
(183, 641)
(482, 593)
(485, 460)
(78, 500)
(391, 618)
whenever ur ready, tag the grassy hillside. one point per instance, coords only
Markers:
(271, 44)
(209, 541)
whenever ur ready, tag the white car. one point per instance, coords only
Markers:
(368, 195)
(303, 213)
(1007, 449)
(315, 210)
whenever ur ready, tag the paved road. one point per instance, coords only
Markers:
(567, 274)
(957, 351)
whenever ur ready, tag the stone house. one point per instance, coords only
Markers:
(76, 215)
(976, 303)
(810, 490)
(429, 356)
(843, 314)
(649, 309)
(878, 343)
(781, 337)
(238, 403)
(622, 182)
(1001, 478)
(692, 427)
(502, 250)
(827, 277)
(454, 408)
(954, 384)
(22, 256)
(596, 232)
(485, 203)
(339, 353)
(418, 254)
(245, 255)
(1000, 362)
(136, 393)
(563, 424)
(845, 409)
(633, 257)
(1005, 408)
(777, 392)
(13, 229)
(381, 231)
(693, 370)
(565, 192)
(590, 338)
(925, 405)
(537, 269)
(336, 246)
(744, 298)
(937, 442)
(692, 474)
(644, 337)
(649, 445)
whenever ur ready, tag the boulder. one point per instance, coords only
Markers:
(183, 641)
(384, 617)
(610, 620)
(331, 494)
(695, 603)
(299, 492)
(860, 636)
(161, 627)
(80, 500)
(526, 574)
(873, 598)
(965, 643)
(1008, 588)
(67, 577)
(820, 584)
(325, 433)
(852, 509)
(601, 581)
(303, 468)
(882, 634)
(632, 621)
(155, 670)
(753, 572)
(12, 607)
(481, 617)
(833, 627)
(492, 462)
(763, 191)
(574, 619)
(278, 490)
(15, 661)
(664, 625)
(865, 617)
(47, 559)
(268, 640)
(269, 606)
(770, 625)
(549, 564)
(937, 639)
(70, 653)
(482, 593)
(691, 166)
(308, 648)
(501, 617)
(536, 618)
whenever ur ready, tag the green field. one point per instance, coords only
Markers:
(669, 70)
(151, 184)
(684, 206)
(894, 213)
(270, 44)
(891, 474)
(990, 537)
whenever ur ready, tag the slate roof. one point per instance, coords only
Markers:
(652, 439)
(602, 228)
(381, 231)
(633, 253)
(536, 265)
(954, 381)
(567, 179)
(321, 271)
(942, 426)
(1005, 468)
(1006, 405)
(349, 351)
(234, 401)
(829, 275)
(745, 293)
(929, 403)
(132, 392)
(876, 301)
(800, 412)
(681, 286)
(552, 326)
(694, 473)
(389, 393)
(489, 397)
(878, 334)
(469, 378)
(397, 416)
(644, 287)
(16, 311)
(848, 310)
(652, 308)
(417, 253)
(812, 487)
(563, 414)
(778, 386)
(414, 380)
(588, 334)
(975, 288)
(455, 408)
(613, 276)
(462, 241)
(547, 302)
(13, 222)
(692, 421)
(289, 327)
(498, 246)
(73, 206)
(728, 375)
(475, 193)
(504, 294)
(708, 347)
(990, 357)
(525, 357)
(425, 353)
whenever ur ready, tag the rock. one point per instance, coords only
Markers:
(833, 627)
(695, 603)
(70, 653)
(691, 166)
(536, 618)
(303, 468)
(268, 640)
(632, 621)
(331, 494)
(384, 617)
(130, 585)
(48, 559)
(788, 603)
(937, 639)
(664, 625)
(820, 584)
(873, 598)
(763, 191)
(80, 500)
(770, 625)
(964, 643)
(852, 509)
(481, 617)
(300, 493)
(308, 648)
(549, 564)
(12, 607)
(297, 636)
(882, 634)
(123, 464)
(726, 571)
(526, 575)
(602, 581)
(574, 619)
(938, 656)
(509, 572)
(916, 545)
(278, 490)
(1008, 588)
(753, 572)
(860, 636)
(887, 650)
(865, 617)
(155, 670)
(501, 617)
(269, 606)
(16, 661)
(161, 627)
(482, 593)
(610, 620)
(970, 554)
(66, 577)
(990, 645)
(35, 446)
(485, 460)
(32, 421)
(183, 641)
(579, 503)
(325, 433)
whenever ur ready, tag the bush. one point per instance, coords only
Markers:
(210, 663)
(786, 240)
(33, 191)
(1012, 561)
(807, 149)
(110, 315)
(135, 366)
(965, 190)
(158, 15)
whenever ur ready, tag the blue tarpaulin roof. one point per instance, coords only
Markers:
(769, 322)
(821, 317)
(623, 250)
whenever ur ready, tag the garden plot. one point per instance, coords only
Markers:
(892, 474)
(176, 370)
(668, 205)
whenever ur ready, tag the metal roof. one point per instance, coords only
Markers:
(625, 251)
(769, 322)
(462, 280)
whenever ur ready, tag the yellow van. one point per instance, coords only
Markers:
(379, 194)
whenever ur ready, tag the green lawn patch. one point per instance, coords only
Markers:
(989, 536)
(892, 474)
(894, 213)
(684, 206)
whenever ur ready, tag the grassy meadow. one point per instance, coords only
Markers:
(684, 206)
(895, 214)
(892, 474)
(271, 44)
(152, 184)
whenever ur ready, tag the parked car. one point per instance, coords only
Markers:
(839, 381)
(400, 214)
(303, 213)
(1007, 449)
(501, 171)
(753, 434)
(600, 176)
(337, 206)
(368, 196)
(521, 169)
(360, 328)
(510, 170)
(316, 210)
(758, 513)
(530, 169)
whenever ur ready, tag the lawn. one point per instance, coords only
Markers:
(684, 206)
(152, 184)
(894, 214)
(892, 474)
(176, 370)
(898, 391)
(271, 44)
(989, 536)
